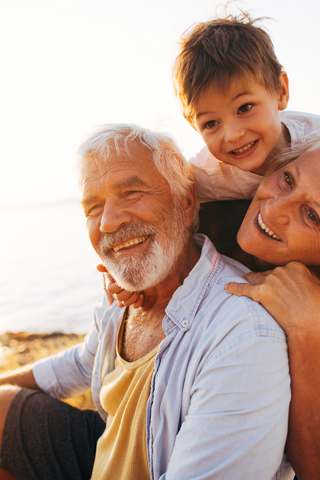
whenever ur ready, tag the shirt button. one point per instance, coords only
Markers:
(185, 323)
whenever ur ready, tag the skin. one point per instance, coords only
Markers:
(232, 119)
(116, 193)
(291, 293)
(287, 203)
(114, 291)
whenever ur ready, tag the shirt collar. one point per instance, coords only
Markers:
(185, 301)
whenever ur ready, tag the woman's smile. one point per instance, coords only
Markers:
(285, 211)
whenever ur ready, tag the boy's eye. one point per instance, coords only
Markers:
(211, 124)
(245, 108)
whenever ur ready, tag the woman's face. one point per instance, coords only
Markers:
(283, 221)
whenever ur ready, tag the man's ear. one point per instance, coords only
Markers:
(189, 204)
(283, 97)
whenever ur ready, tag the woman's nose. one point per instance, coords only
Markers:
(113, 217)
(279, 209)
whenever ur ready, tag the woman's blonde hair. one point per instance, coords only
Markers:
(290, 154)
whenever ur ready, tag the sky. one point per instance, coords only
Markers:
(68, 65)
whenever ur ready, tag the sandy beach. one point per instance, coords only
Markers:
(21, 348)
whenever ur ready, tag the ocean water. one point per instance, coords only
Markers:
(48, 276)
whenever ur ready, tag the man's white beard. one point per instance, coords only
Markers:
(140, 271)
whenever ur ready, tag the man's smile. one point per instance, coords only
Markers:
(128, 243)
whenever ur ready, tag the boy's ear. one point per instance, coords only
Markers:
(283, 97)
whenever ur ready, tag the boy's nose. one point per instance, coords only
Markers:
(113, 217)
(233, 132)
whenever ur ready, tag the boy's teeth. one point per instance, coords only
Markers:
(266, 229)
(133, 241)
(244, 149)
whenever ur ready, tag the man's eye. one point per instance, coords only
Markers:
(93, 210)
(287, 179)
(131, 192)
(245, 108)
(211, 124)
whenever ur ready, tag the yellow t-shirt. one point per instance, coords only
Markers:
(122, 450)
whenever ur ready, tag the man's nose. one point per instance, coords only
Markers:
(233, 132)
(114, 216)
(279, 209)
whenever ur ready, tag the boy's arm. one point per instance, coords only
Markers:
(216, 180)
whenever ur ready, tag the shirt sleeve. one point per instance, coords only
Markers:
(236, 425)
(69, 373)
(216, 180)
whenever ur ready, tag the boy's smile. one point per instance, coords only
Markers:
(241, 125)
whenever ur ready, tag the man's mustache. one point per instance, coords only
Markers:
(126, 232)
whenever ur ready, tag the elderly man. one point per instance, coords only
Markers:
(194, 383)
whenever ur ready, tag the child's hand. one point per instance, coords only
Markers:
(107, 280)
(125, 298)
(114, 291)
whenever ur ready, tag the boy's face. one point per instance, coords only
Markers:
(241, 125)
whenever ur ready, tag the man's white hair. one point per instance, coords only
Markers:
(167, 158)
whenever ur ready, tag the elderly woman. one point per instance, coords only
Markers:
(281, 229)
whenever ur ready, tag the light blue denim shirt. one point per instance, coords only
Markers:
(220, 393)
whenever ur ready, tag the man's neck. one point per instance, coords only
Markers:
(143, 330)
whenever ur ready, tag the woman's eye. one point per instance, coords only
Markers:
(211, 124)
(313, 216)
(245, 108)
(287, 179)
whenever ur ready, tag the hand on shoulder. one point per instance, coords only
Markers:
(291, 294)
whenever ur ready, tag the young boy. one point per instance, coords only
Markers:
(232, 90)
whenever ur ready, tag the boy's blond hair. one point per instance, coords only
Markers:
(220, 50)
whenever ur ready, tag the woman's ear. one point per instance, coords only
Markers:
(283, 97)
